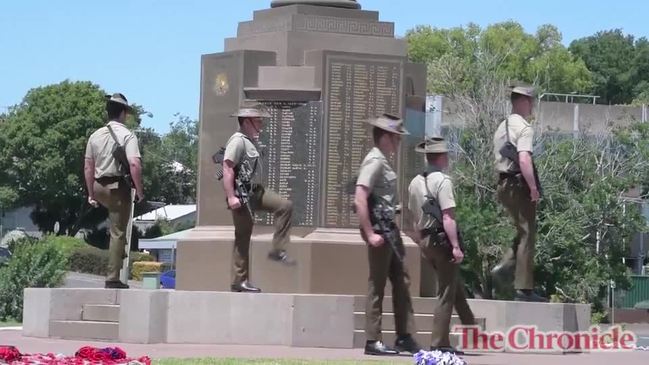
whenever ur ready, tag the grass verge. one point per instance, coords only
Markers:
(10, 323)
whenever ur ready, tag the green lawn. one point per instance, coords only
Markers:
(10, 324)
(270, 362)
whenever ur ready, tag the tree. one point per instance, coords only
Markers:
(42, 146)
(609, 55)
(620, 65)
(170, 162)
(540, 59)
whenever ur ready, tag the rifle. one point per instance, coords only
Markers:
(382, 218)
(509, 151)
(242, 181)
(436, 231)
(119, 154)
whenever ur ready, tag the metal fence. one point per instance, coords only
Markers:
(639, 291)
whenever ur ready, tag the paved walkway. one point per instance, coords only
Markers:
(159, 351)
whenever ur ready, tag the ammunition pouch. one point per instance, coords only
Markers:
(439, 239)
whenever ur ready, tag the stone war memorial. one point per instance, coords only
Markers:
(321, 68)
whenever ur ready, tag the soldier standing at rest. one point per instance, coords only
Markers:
(518, 191)
(108, 182)
(431, 204)
(240, 162)
(377, 180)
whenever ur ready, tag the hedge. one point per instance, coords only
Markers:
(91, 260)
(141, 267)
(34, 264)
(66, 244)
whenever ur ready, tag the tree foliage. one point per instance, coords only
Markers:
(170, 162)
(619, 64)
(533, 58)
(42, 143)
(34, 264)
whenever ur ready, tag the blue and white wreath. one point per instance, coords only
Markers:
(437, 358)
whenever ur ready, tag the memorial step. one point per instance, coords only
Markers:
(84, 330)
(420, 305)
(422, 321)
(100, 313)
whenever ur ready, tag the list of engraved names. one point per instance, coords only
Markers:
(357, 89)
(290, 140)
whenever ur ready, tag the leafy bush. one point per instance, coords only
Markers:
(91, 260)
(14, 244)
(34, 264)
(163, 227)
(141, 256)
(141, 267)
(66, 244)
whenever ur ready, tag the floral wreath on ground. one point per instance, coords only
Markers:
(437, 358)
(85, 356)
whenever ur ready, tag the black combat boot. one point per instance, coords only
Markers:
(282, 257)
(528, 295)
(407, 344)
(378, 348)
(115, 284)
(244, 287)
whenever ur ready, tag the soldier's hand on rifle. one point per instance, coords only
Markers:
(534, 195)
(458, 255)
(93, 202)
(139, 196)
(375, 240)
(234, 203)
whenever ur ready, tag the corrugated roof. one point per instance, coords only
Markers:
(168, 212)
(163, 242)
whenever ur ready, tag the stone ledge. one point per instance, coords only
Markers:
(296, 320)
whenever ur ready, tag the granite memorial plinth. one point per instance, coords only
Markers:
(321, 68)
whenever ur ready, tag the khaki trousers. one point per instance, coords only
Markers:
(450, 294)
(267, 201)
(514, 194)
(384, 264)
(116, 197)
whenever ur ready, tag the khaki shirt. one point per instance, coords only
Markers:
(440, 187)
(240, 149)
(376, 174)
(100, 148)
(521, 135)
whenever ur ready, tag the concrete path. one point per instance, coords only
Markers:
(159, 351)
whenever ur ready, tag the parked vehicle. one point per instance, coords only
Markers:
(5, 255)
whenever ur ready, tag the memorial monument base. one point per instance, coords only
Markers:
(329, 261)
(296, 320)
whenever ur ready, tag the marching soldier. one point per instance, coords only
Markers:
(518, 191)
(106, 179)
(378, 182)
(240, 163)
(431, 204)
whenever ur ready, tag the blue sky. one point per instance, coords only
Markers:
(150, 49)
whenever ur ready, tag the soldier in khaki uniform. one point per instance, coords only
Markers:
(445, 258)
(106, 183)
(241, 151)
(377, 177)
(518, 191)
